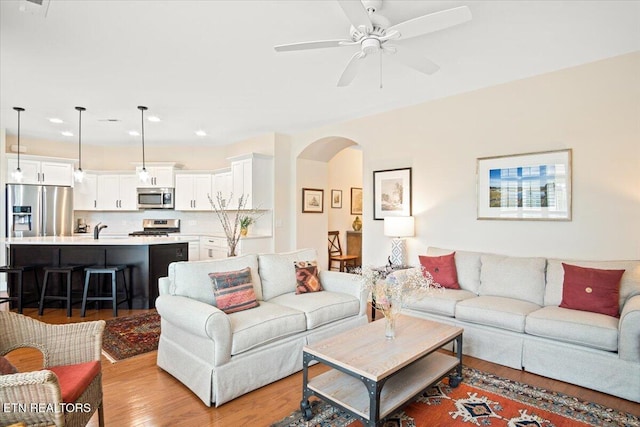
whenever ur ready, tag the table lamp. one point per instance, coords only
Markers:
(399, 227)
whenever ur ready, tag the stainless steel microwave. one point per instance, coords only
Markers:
(156, 198)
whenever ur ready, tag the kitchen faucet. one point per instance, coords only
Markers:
(97, 229)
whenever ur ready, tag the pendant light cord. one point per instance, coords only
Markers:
(18, 109)
(80, 110)
(142, 117)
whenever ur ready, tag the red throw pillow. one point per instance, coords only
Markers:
(591, 289)
(307, 277)
(442, 268)
(6, 368)
(234, 290)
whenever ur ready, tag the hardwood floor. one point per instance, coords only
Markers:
(138, 393)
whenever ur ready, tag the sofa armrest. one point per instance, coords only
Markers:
(164, 285)
(350, 284)
(629, 330)
(199, 319)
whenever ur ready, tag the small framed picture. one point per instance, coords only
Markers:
(336, 199)
(312, 200)
(356, 201)
(391, 193)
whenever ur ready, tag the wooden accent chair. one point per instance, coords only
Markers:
(70, 381)
(335, 254)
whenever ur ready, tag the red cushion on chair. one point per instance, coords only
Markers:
(74, 379)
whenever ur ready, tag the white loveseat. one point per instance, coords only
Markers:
(221, 356)
(509, 309)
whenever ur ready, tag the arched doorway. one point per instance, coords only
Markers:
(329, 163)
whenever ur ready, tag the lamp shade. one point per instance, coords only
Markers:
(399, 226)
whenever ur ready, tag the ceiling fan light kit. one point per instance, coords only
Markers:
(372, 30)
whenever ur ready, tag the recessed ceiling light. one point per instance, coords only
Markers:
(67, 133)
(153, 118)
(201, 133)
(134, 133)
(55, 120)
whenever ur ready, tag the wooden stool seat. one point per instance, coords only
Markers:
(66, 270)
(110, 270)
(335, 253)
(19, 271)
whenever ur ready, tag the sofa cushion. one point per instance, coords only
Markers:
(442, 269)
(264, 324)
(442, 302)
(500, 312)
(277, 272)
(307, 279)
(191, 278)
(629, 284)
(513, 277)
(234, 290)
(467, 267)
(573, 326)
(320, 308)
(591, 289)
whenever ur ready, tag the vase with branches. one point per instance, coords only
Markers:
(233, 220)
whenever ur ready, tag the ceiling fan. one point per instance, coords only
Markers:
(372, 32)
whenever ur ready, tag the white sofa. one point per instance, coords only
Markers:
(509, 309)
(221, 356)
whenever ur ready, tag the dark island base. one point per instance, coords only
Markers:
(148, 263)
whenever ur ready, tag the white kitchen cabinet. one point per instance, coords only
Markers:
(252, 176)
(42, 172)
(213, 247)
(117, 192)
(85, 193)
(194, 250)
(222, 183)
(159, 176)
(192, 192)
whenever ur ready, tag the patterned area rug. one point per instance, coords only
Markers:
(130, 336)
(481, 400)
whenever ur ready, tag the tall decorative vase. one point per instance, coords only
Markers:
(390, 327)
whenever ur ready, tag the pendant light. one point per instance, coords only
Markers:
(143, 174)
(79, 173)
(17, 174)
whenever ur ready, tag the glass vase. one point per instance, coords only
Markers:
(390, 327)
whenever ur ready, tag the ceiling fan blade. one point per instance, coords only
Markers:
(433, 22)
(351, 69)
(356, 14)
(417, 62)
(310, 45)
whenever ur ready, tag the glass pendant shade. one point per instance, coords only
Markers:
(78, 174)
(17, 174)
(143, 175)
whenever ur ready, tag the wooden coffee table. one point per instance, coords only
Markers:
(373, 376)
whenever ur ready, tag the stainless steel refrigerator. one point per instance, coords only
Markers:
(39, 210)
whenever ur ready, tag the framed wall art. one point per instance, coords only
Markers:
(391, 193)
(530, 186)
(336, 199)
(312, 200)
(356, 201)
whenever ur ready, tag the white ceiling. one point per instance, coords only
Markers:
(211, 64)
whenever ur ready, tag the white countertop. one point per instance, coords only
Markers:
(103, 240)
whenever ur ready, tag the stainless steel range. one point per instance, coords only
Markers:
(158, 227)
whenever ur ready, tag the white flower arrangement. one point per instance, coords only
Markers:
(233, 220)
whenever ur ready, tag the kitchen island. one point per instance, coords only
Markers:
(148, 257)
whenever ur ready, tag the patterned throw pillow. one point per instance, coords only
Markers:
(307, 279)
(234, 290)
(591, 289)
(442, 269)
(6, 367)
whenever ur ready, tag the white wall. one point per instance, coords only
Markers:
(311, 228)
(345, 172)
(593, 109)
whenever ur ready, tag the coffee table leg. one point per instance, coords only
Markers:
(456, 379)
(305, 407)
(374, 389)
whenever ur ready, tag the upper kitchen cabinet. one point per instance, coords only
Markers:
(192, 192)
(117, 192)
(41, 171)
(222, 183)
(252, 176)
(159, 176)
(85, 193)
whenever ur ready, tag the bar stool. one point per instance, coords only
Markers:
(66, 270)
(19, 271)
(113, 271)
